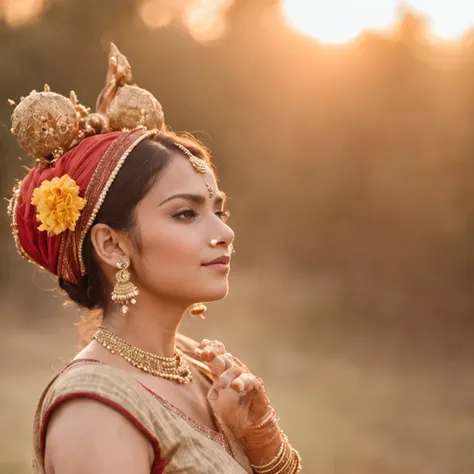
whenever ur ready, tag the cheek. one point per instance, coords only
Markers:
(169, 246)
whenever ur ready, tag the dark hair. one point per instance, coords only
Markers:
(137, 175)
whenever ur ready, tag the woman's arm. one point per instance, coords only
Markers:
(85, 436)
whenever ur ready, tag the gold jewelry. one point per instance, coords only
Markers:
(270, 416)
(11, 211)
(200, 166)
(171, 368)
(124, 291)
(47, 124)
(214, 242)
(275, 459)
(277, 462)
(287, 461)
(198, 310)
(209, 189)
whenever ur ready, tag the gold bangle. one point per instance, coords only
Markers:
(276, 463)
(298, 462)
(274, 460)
(287, 465)
(271, 414)
(294, 465)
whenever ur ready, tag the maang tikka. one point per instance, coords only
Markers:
(124, 291)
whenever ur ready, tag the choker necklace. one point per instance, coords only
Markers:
(171, 368)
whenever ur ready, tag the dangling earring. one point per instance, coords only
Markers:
(124, 291)
(198, 310)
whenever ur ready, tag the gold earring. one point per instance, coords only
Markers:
(198, 310)
(124, 291)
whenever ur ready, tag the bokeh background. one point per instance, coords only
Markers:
(343, 133)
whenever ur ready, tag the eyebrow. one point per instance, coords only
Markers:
(197, 198)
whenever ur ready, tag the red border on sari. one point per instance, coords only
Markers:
(158, 465)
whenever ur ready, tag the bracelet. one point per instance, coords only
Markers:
(277, 463)
(269, 416)
(298, 466)
(273, 461)
(287, 466)
(291, 463)
(294, 465)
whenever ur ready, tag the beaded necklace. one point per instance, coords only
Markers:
(171, 368)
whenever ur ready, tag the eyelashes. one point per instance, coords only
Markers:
(190, 214)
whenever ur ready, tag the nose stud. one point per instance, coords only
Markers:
(214, 242)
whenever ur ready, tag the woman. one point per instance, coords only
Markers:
(129, 217)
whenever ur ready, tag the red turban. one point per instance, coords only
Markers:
(93, 165)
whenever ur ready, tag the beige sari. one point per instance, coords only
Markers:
(180, 444)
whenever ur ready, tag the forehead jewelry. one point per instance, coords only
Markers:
(209, 189)
(198, 164)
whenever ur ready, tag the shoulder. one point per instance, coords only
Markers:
(103, 384)
(109, 442)
(98, 407)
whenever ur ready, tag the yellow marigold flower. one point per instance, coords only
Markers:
(58, 204)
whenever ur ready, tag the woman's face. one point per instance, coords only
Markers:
(176, 222)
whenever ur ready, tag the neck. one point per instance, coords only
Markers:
(148, 325)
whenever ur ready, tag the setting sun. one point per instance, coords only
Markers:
(340, 21)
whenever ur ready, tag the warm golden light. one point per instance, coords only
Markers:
(20, 12)
(205, 19)
(448, 19)
(153, 14)
(340, 21)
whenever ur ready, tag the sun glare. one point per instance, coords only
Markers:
(341, 21)
(448, 20)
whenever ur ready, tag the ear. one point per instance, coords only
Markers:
(109, 244)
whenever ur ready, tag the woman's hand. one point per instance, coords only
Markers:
(239, 400)
(237, 396)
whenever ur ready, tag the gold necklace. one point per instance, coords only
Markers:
(171, 368)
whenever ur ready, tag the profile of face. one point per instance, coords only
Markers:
(176, 223)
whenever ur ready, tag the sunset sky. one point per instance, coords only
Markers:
(340, 21)
(329, 21)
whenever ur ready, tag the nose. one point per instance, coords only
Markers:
(223, 236)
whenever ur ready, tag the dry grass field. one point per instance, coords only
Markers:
(347, 411)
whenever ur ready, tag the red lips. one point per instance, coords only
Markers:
(224, 260)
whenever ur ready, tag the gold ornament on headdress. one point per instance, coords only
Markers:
(47, 124)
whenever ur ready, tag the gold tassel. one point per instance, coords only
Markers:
(124, 291)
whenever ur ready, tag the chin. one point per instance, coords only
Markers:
(216, 293)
